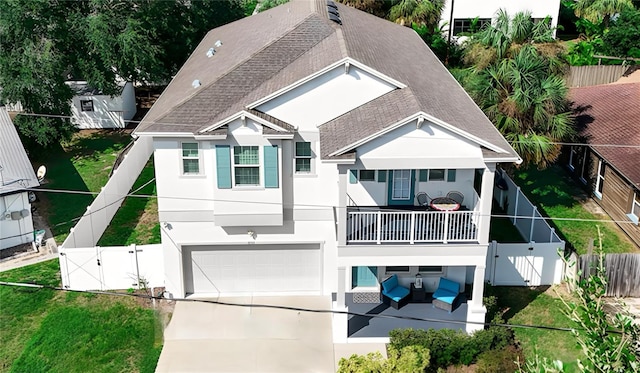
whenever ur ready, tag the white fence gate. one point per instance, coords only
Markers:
(522, 264)
(113, 267)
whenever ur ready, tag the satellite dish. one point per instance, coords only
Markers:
(42, 170)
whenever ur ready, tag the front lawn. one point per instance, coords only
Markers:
(84, 164)
(557, 195)
(50, 331)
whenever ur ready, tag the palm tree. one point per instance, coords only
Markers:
(597, 11)
(520, 29)
(526, 101)
(420, 12)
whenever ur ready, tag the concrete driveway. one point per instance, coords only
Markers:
(215, 338)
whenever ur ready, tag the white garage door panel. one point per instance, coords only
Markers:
(245, 269)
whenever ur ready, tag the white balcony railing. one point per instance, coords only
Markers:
(411, 226)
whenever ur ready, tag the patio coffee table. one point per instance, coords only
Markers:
(418, 294)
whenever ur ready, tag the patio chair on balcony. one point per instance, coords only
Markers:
(456, 196)
(423, 199)
(393, 294)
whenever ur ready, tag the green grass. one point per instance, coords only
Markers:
(502, 230)
(557, 195)
(535, 307)
(48, 331)
(137, 219)
(84, 164)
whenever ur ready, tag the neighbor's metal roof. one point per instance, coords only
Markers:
(16, 172)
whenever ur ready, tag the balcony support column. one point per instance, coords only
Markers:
(476, 311)
(342, 204)
(486, 199)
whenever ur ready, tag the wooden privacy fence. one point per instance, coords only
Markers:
(584, 76)
(622, 270)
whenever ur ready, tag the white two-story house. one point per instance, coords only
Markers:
(289, 151)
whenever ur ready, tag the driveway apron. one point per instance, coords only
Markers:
(204, 337)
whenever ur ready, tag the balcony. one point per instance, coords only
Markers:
(376, 225)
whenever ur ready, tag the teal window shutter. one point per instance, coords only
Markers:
(223, 166)
(353, 176)
(451, 175)
(422, 175)
(382, 176)
(271, 166)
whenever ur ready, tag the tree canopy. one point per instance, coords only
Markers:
(597, 11)
(623, 37)
(44, 43)
(517, 79)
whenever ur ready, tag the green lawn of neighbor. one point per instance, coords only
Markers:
(533, 306)
(557, 195)
(51, 331)
(84, 164)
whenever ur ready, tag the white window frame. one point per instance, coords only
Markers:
(82, 108)
(199, 158)
(312, 169)
(573, 151)
(234, 166)
(635, 204)
(393, 190)
(599, 179)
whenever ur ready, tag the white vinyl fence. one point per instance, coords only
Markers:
(114, 267)
(96, 219)
(535, 263)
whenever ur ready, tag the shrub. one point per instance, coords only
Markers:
(411, 359)
(498, 361)
(452, 347)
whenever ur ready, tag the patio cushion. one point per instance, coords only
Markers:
(397, 293)
(390, 283)
(447, 291)
(445, 296)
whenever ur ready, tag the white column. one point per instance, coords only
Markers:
(476, 310)
(340, 321)
(486, 198)
(342, 205)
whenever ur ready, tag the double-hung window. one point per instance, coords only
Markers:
(246, 165)
(190, 158)
(303, 157)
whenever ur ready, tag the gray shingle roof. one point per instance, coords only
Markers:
(271, 50)
(16, 172)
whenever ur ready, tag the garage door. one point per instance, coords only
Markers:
(252, 269)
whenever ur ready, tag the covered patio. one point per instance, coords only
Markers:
(379, 327)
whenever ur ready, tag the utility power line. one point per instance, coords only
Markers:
(299, 309)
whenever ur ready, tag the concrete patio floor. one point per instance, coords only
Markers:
(205, 337)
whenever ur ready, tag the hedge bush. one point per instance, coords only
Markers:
(452, 347)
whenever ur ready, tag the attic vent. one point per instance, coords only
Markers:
(332, 10)
(195, 84)
(211, 52)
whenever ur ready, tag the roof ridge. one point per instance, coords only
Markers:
(232, 69)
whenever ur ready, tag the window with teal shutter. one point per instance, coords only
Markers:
(271, 166)
(422, 175)
(353, 176)
(223, 166)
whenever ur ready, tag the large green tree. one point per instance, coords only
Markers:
(44, 43)
(623, 37)
(597, 11)
(517, 78)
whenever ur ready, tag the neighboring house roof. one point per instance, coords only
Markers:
(269, 51)
(16, 172)
(610, 115)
